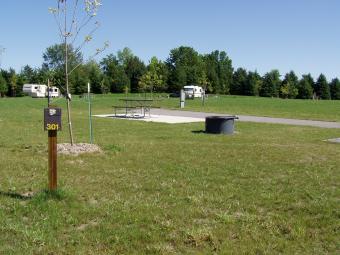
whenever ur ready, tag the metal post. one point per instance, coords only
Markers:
(203, 97)
(182, 99)
(90, 112)
(48, 93)
(52, 160)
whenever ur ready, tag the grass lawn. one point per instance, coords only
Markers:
(271, 107)
(164, 189)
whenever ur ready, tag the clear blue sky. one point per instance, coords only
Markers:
(299, 35)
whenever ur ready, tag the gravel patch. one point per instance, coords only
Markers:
(77, 148)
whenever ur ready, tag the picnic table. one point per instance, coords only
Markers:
(132, 105)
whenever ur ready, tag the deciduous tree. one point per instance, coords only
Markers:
(289, 86)
(186, 67)
(155, 77)
(115, 77)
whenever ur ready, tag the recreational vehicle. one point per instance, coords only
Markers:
(193, 91)
(35, 90)
(39, 91)
(54, 92)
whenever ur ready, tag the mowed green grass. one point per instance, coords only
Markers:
(167, 189)
(272, 107)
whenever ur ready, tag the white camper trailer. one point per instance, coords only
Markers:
(193, 91)
(35, 90)
(40, 91)
(54, 92)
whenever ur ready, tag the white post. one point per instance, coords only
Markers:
(90, 112)
(182, 99)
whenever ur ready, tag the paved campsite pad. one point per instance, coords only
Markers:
(177, 116)
(156, 118)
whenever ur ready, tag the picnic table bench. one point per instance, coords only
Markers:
(132, 105)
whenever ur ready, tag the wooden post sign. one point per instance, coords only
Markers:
(52, 124)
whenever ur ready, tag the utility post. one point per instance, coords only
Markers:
(182, 99)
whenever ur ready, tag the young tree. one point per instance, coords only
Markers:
(335, 89)
(322, 88)
(271, 84)
(205, 84)
(105, 85)
(71, 22)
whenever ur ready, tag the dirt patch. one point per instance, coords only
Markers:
(78, 148)
(83, 227)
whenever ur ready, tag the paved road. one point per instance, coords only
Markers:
(312, 123)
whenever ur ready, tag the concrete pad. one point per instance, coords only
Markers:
(172, 119)
(155, 118)
(246, 118)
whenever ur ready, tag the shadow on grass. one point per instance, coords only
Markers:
(43, 195)
(198, 132)
(16, 195)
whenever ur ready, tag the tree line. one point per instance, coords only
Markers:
(123, 72)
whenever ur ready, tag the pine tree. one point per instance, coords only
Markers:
(239, 82)
(322, 88)
(305, 88)
(335, 89)
(253, 84)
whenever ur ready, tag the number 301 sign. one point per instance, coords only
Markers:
(52, 119)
